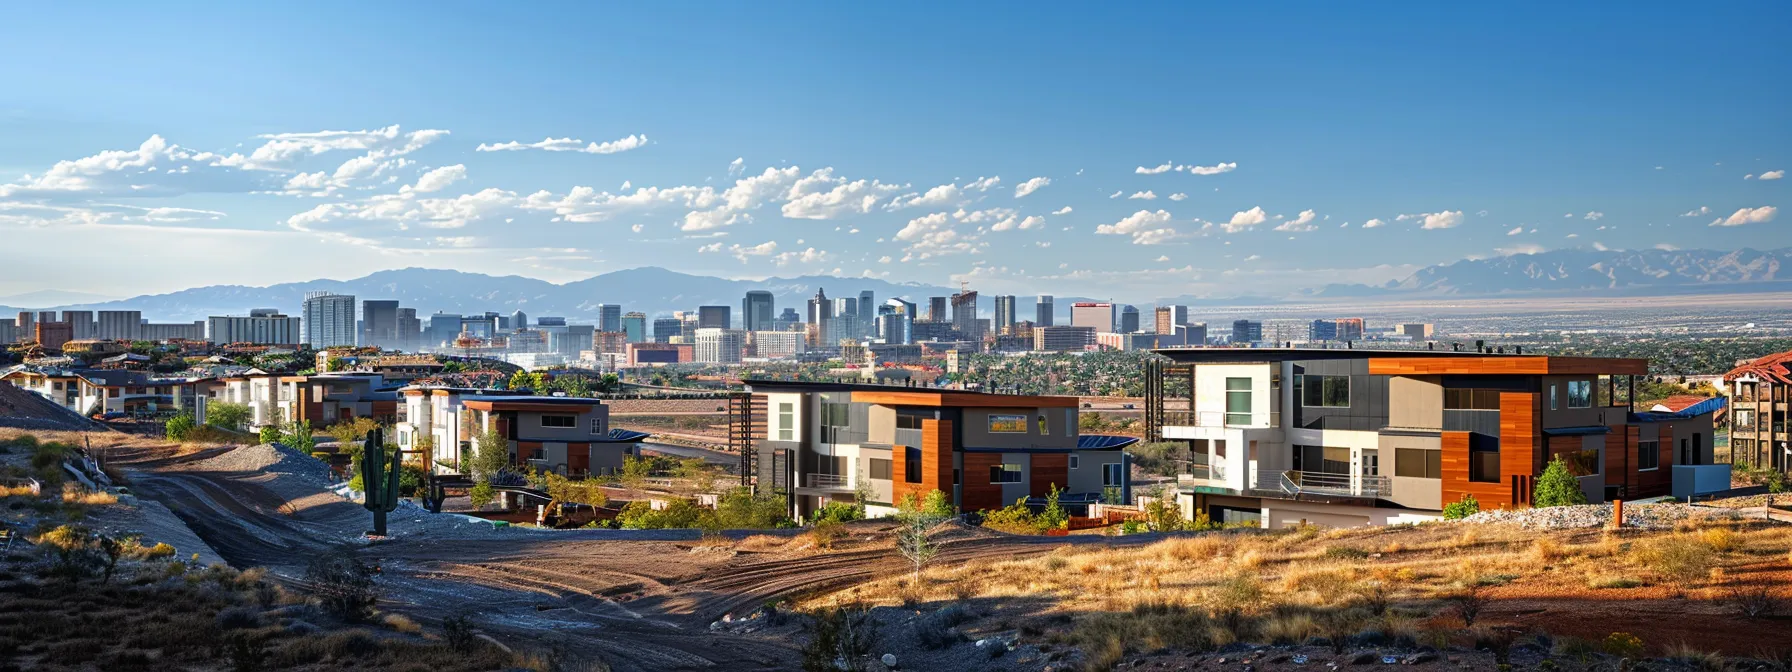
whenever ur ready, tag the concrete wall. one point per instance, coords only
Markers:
(1416, 402)
(976, 434)
(1278, 514)
(1210, 388)
(881, 424)
(1086, 476)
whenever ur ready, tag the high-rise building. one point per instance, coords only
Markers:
(409, 330)
(1063, 338)
(1170, 317)
(329, 319)
(789, 320)
(1129, 320)
(576, 337)
(895, 322)
(379, 323)
(1004, 319)
(937, 310)
(51, 334)
(1350, 329)
(1417, 331)
(719, 346)
(1196, 334)
(126, 325)
(263, 326)
(664, 328)
(443, 328)
(964, 315)
(777, 344)
(821, 311)
(519, 320)
(714, 317)
(609, 317)
(847, 305)
(756, 311)
(1323, 330)
(1097, 316)
(1245, 332)
(81, 321)
(24, 325)
(9, 330)
(608, 342)
(867, 309)
(634, 326)
(1042, 311)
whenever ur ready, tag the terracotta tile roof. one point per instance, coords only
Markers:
(1676, 403)
(1776, 368)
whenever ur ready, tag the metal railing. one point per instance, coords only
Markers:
(1221, 419)
(1317, 483)
(830, 481)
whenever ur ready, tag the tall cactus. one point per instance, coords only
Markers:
(379, 480)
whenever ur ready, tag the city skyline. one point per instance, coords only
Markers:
(1188, 173)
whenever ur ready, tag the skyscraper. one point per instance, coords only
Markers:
(1129, 320)
(609, 317)
(821, 311)
(1043, 311)
(634, 326)
(756, 311)
(664, 328)
(1323, 330)
(1245, 332)
(719, 345)
(1097, 316)
(329, 319)
(81, 321)
(964, 315)
(936, 309)
(1170, 317)
(379, 323)
(443, 328)
(714, 317)
(1004, 320)
(867, 309)
(789, 320)
(408, 331)
(896, 321)
(127, 325)
(519, 320)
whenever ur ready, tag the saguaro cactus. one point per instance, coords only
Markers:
(379, 480)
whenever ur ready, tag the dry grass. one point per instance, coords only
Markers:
(75, 494)
(17, 491)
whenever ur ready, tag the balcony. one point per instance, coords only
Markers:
(1221, 419)
(827, 482)
(1335, 485)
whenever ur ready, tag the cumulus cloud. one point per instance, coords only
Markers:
(1143, 196)
(1011, 223)
(1747, 216)
(823, 196)
(1116, 194)
(1303, 222)
(440, 178)
(943, 195)
(1702, 211)
(984, 183)
(934, 235)
(1178, 196)
(572, 145)
(1062, 211)
(1595, 215)
(1030, 186)
(1515, 230)
(735, 167)
(1145, 227)
(1244, 220)
(1436, 220)
(1374, 223)
(1141, 170)
(1213, 170)
(1772, 175)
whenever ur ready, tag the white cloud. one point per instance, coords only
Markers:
(1515, 230)
(823, 196)
(1697, 213)
(1163, 258)
(1030, 186)
(1374, 223)
(1600, 246)
(1143, 196)
(637, 228)
(1178, 196)
(1748, 216)
(1253, 257)
(1244, 220)
(934, 235)
(1772, 175)
(1062, 211)
(1527, 248)
(1667, 247)
(747, 194)
(1595, 215)
(571, 145)
(1304, 222)
(1442, 220)
(1213, 170)
(1116, 194)
(1145, 227)
(712, 247)
(884, 259)
(761, 250)
(735, 167)
(1141, 170)
(1032, 222)
(984, 183)
(943, 195)
(807, 256)
(1573, 235)
(440, 178)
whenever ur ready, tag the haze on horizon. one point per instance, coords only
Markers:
(1145, 150)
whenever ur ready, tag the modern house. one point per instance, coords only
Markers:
(1759, 392)
(321, 399)
(1341, 437)
(565, 435)
(822, 442)
(96, 391)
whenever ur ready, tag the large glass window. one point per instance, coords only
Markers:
(1325, 391)
(1648, 455)
(1004, 473)
(1580, 394)
(1007, 424)
(1238, 401)
(786, 422)
(1552, 397)
(1322, 459)
(1113, 474)
(559, 421)
(1044, 429)
(880, 469)
(905, 421)
(1464, 399)
(911, 465)
(1418, 463)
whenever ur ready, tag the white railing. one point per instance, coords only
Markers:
(829, 481)
(1317, 483)
(1222, 419)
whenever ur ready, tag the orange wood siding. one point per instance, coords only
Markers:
(1505, 365)
(1049, 470)
(1520, 445)
(980, 494)
(1660, 481)
(1455, 476)
(899, 485)
(936, 462)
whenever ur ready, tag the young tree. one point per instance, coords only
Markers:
(178, 427)
(1558, 487)
(490, 456)
(350, 433)
(270, 434)
(297, 436)
(1163, 514)
(226, 415)
(524, 380)
(913, 542)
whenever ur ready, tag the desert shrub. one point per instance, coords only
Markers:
(226, 415)
(1130, 526)
(1545, 551)
(1242, 592)
(479, 495)
(932, 506)
(1464, 508)
(178, 427)
(1753, 600)
(1558, 486)
(741, 509)
(72, 552)
(1289, 627)
(678, 514)
(1612, 582)
(271, 434)
(401, 623)
(1467, 602)
(1013, 519)
(839, 512)
(1328, 584)
(1623, 645)
(825, 532)
(457, 632)
(936, 630)
(1681, 559)
(343, 584)
(160, 551)
(843, 634)
(586, 492)
(1496, 640)
(1344, 553)
(1720, 539)
(238, 618)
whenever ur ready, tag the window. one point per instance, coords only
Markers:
(1113, 474)
(1074, 461)
(1004, 473)
(786, 421)
(597, 425)
(1325, 391)
(1238, 401)
(1464, 399)
(1417, 463)
(911, 465)
(559, 421)
(1552, 397)
(1483, 459)
(880, 469)
(1007, 424)
(1322, 459)
(1044, 430)
(906, 421)
(1580, 394)
(1648, 455)
(1745, 420)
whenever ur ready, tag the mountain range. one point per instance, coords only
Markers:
(1578, 272)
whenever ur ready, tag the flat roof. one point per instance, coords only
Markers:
(903, 395)
(1419, 362)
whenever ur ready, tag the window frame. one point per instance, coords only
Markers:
(1430, 463)
(911, 464)
(1109, 470)
(1044, 426)
(1005, 473)
(1651, 449)
(572, 421)
(1075, 461)
(1017, 421)
(888, 468)
(786, 421)
(1325, 392)
(1586, 393)
(1246, 391)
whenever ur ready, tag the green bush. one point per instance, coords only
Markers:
(271, 434)
(839, 512)
(1558, 487)
(1467, 507)
(678, 514)
(481, 494)
(1013, 519)
(178, 427)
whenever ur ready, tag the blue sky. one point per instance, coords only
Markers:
(253, 144)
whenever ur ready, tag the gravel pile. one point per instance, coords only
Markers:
(272, 458)
(1654, 516)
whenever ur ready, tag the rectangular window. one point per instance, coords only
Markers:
(880, 469)
(1648, 455)
(1418, 463)
(1238, 401)
(1322, 459)
(1464, 399)
(1580, 394)
(559, 421)
(906, 421)
(1043, 429)
(1113, 474)
(1552, 397)
(1483, 459)
(786, 421)
(1007, 424)
(1004, 473)
(1325, 391)
(597, 426)
(1074, 461)
(911, 465)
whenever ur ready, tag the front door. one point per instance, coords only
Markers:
(1371, 463)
